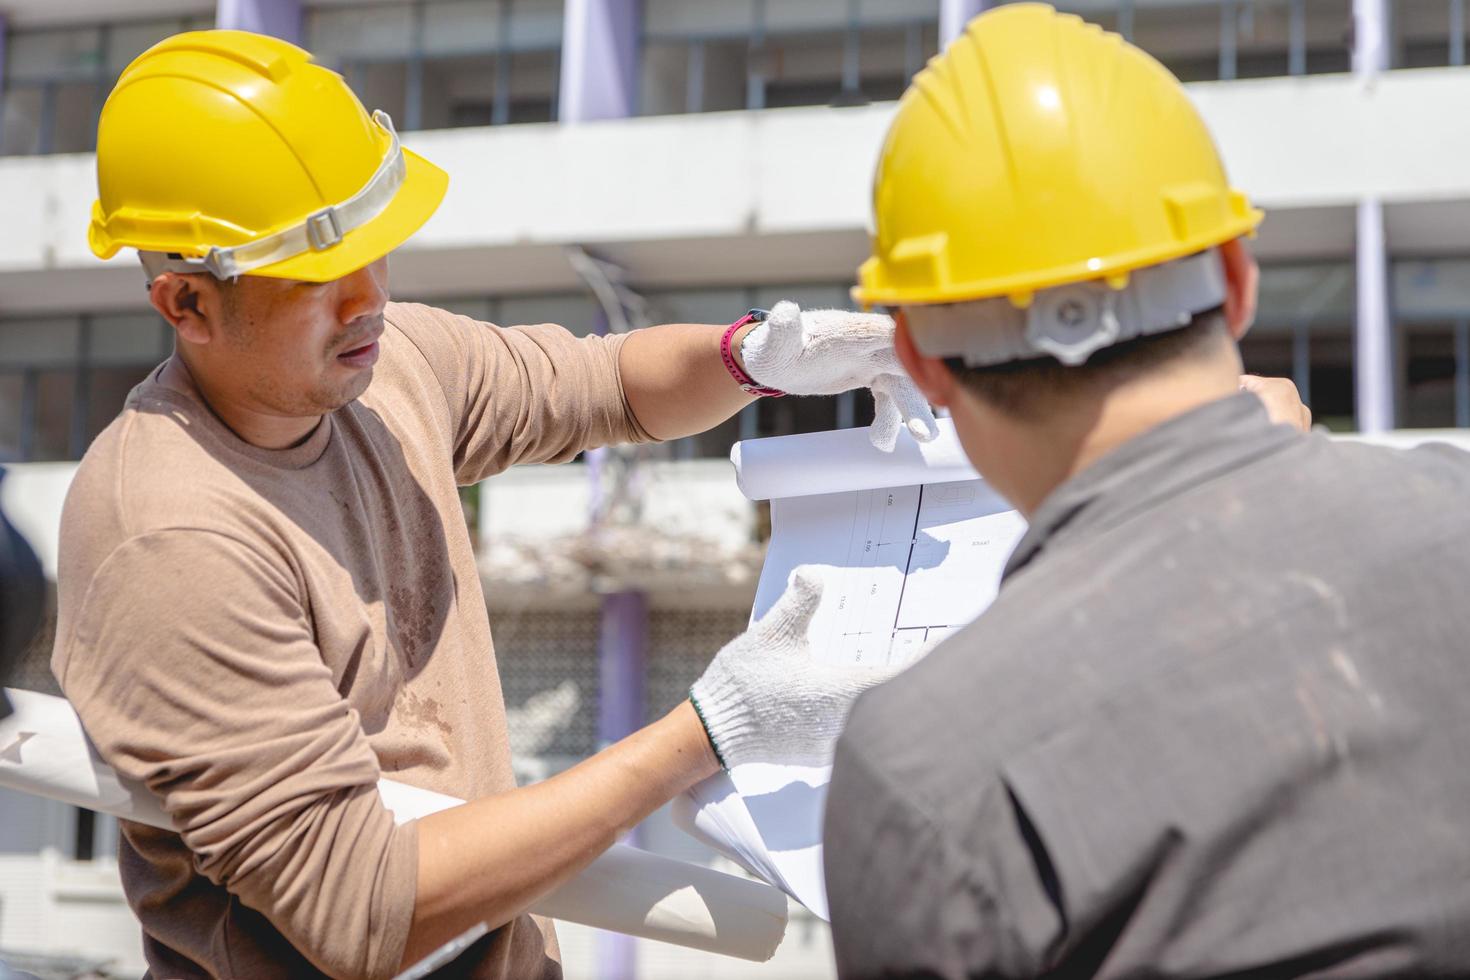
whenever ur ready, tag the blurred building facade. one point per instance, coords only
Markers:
(695, 158)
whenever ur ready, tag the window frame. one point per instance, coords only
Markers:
(79, 365)
(103, 76)
(418, 58)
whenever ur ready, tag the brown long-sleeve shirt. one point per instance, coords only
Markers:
(259, 635)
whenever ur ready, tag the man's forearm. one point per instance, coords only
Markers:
(488, 860)
(675, 381)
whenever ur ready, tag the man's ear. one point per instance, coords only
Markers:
(187, 303)
(929, 373)
(1242, 280)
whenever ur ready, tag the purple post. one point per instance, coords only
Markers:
(599, 60)
(278, 18)
(624, 633)
(620, 670)
(1374, 339)
(620, 658)
(955, 14)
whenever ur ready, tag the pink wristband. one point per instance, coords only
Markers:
(746, 382)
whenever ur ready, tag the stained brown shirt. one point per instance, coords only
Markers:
(259, 635)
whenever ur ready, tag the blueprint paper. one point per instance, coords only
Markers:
(915, 546)
(769, 469)
(45, 752)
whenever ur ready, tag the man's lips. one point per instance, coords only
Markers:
(363, 353)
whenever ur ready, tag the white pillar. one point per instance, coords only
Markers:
(954, 15)
(278, 18)
(599, 71)
(1370, 37)
(1374, 333)
(1374, 376)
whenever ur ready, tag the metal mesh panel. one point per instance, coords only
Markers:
(542, 651)
(539, 652)
(680, 645)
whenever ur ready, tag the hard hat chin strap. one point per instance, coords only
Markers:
(319, 231)
(1072, 321)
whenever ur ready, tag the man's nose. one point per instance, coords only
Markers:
(365, 292)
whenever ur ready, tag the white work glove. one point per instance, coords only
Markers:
(826, 352)
(764, 699)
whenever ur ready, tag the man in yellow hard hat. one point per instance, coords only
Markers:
(268, 598)
(1214, 723)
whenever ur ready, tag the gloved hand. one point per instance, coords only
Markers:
(764, 699)
(825, 352)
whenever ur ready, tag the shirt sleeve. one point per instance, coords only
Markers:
(532, 394)
(193, 669)
(911, 896)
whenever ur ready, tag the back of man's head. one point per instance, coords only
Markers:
(1032, 389)
(1054, 222)
(1050, 212)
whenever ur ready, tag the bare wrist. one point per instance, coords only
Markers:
(702, 751)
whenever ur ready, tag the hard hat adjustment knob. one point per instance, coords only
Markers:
(1071, 322)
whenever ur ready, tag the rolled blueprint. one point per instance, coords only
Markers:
(45, 752)
(845, 460)
(912, 545)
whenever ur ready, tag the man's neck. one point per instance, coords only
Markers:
(1038, 458)
(261, 429)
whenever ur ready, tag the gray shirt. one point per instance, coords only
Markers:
(1217, 721)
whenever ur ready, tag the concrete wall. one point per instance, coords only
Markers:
(697, 497)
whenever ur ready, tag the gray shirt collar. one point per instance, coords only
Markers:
(1165, 461)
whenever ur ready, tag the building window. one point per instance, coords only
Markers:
(1432, 314)
(84, 838)
(1428, 33)
(712, 55)
(64, 379)
(1304, 331)
(1201, 40)
(94, 836)
(443, 64)
(56, 79)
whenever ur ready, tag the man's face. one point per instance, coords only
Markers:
(299, 349)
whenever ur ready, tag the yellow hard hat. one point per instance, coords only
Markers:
(235, 153)
(1039, 150)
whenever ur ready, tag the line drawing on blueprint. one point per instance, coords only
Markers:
(911, 547)
(920, 563)
(879, 544)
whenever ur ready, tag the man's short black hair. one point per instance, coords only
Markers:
(1024, 389)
